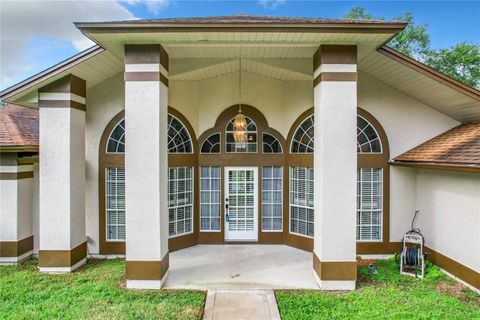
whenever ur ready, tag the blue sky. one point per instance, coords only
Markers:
(449, 22)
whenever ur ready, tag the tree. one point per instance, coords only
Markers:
(359, 14)
(414, 40)
(461, 62)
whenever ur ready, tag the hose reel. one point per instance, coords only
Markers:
(412, 257)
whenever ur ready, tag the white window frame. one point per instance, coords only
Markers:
(107, 210)
(188, 133)
(192, 178)
(210, 193)
(220, 145)
(110, 137)
(257, 133)
(290, 204)
(272, 192)
(281, 147)
(380, 211)
(295, 133)
(376, 132)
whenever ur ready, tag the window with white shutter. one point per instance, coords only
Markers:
(272, 199)
(180, 201)
(301, 201)
(115, 204)
(369, 204)
(210, 199)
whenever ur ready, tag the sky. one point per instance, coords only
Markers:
(36, 34)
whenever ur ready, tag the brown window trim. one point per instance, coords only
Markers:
(107, 160)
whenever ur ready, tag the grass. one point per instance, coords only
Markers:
(94, 292)
(387, 295)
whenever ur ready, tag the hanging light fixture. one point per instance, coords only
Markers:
(240, 123)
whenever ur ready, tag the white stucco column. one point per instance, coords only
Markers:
(146, 166)
(63, 245)
(335, 165)
(16, 183)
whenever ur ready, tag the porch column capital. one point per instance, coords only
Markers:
(146, 62)
(335, 63)
(146, 165)
(335, 164)
(63, 245)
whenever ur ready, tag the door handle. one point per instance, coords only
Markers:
(227, 218)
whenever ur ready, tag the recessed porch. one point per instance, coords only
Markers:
(241, 266)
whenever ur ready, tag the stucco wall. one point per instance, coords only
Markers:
(449, 218)
(407, 123)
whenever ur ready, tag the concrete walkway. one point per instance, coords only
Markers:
(254, 266)
(241, 304)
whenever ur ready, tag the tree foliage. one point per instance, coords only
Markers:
(461, 62)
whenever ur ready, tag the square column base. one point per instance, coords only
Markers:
(334, 285)
(147, 284)
(5, 261)
(63, 269)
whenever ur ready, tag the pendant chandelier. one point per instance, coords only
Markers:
(240, 123)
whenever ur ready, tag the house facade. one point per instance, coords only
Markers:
(138, 152)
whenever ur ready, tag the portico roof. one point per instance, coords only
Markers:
(203, 47)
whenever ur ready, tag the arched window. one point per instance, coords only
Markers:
(181, 169)
(179, 140)
(116, 140)
(271, 144)
(368, 140)
(211, 144)
(251, 144)
(302, 140)
(372, 180)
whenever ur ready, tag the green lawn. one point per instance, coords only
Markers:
(93, 292)
(386, 295)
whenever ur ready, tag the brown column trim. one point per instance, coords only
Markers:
(62, 258)
(335, 270)
(146, 54)
(335, 76)
(16, 175)
(62, 104)
(379, 247)
(468, 275)
(335, 54)
(16, 248)
(68, 84)
(147, 270)
(146, 76)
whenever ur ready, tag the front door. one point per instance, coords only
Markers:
(241, 204)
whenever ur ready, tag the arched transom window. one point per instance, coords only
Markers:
(251, 144)
(368, 140)
(179, 140)
(116, 140)
(302, 141)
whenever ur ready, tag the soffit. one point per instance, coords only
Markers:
(453, 100)
(94, 65)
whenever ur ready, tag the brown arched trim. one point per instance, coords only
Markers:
(296, 160)
(378, 160)
(186, 160)
(118, 161)
(105, 161)
(258, 159)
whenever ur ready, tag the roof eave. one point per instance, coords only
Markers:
(52, 71)
(135, 26)
(430, 72)
(472, 168)
(19, 148)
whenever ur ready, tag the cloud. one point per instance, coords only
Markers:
(153, 6)
(24, 22)
(271, 4)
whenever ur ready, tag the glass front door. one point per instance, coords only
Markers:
(241, 203)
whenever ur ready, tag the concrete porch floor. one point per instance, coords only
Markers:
(240, 267)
